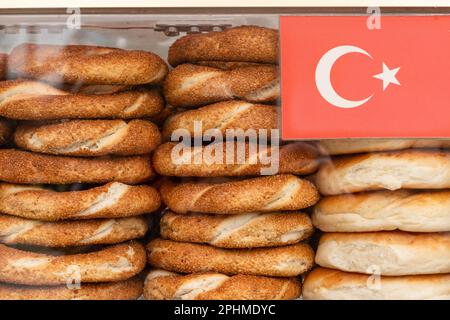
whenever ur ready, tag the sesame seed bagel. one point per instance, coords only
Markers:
(327, 284)
(249, 230)
(130, 289)
(15, 230)
(223, 116)
(262, 194)
(228, 65)
(6, 130)
(164, 285)
(112, 200)
(3, 65)
(247, 159)
(347, 146)
(191, 85)
(287, 261)
(408, 169)
(241, 44)
(86, 64)
(89, 137)
(32, 168)
(424, 211)
(390, 253)
(114, 263)
(32, 100)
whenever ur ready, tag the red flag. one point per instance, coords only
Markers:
(341, 79)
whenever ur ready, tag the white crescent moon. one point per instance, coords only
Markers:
(323, 81)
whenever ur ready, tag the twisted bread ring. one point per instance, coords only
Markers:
(130, 289)
(89, 137)
(234, 115)
(328, 284)
(426, 211)
(112, 200)
(297, 158)
(263, 194)
(287, 261)
(390, 253)
(31, 100)
(249, 230)
(227, 65)
(114, 263)
(164, 285)
(86, 64)
(14, 230)
(243, 44)
(191, 85)
(3, 65)
(348, 146)
(32, 168)
(5, 131)
(407, 169)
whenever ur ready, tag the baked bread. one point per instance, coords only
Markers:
(393, 253)
(263, 194)
(6, 130)
(407, 210)
(32, 100)
(112, 200)
(120, 290)
(247, 159)
(114, 263)
(408, 169)
(15, 230)
(287, 261)
(89, 137)
(31, 168)
(164, 285)
(228, 65)
(222, 116)
(191, 85)
(347, 146)
(327, 284)
(3, 65)
(249, 230)
(239, 44)
(86, 64)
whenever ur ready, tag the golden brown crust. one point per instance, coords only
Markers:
(263, 194)
(32, 168)
(86, 64)
(89, 137)
(228, 65)
(6, 130)
(3, 65)
(328, 284)
(15, 230)
(287, 261)
(130, 289)
(191, 85)
(238, 231)
(112, 200)
(114, 263)
(163, 285)
(32, 100)
(222, 116)
(425, 211)
(391, 253)
(408, 169)
(296, 158)
(242, 44)
(348, 146)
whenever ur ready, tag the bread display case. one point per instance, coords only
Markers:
(182, 154)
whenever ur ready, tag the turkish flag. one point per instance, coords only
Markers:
(341, 79)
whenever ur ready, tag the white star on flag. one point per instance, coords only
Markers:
(388, 76)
